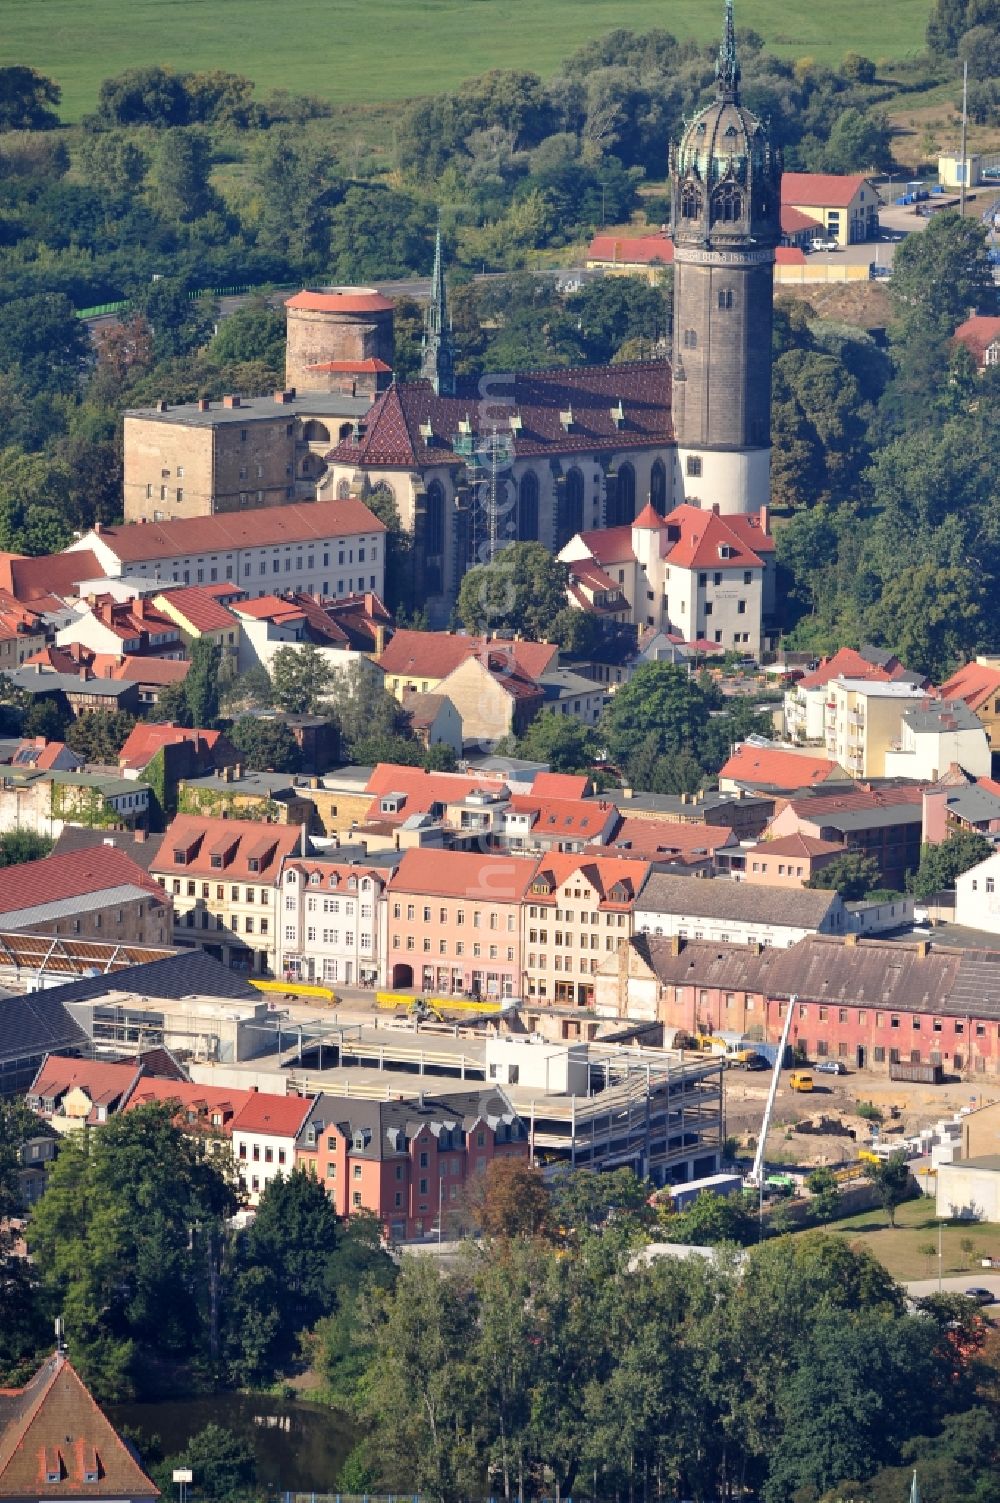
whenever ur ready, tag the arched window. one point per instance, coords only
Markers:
(690, 202)
(527, 508)
(658, 487)
(434, 530)
(343, 490)
(345, 431)
(570, 508)
(625, 496)
(315, 432)
(727, 204)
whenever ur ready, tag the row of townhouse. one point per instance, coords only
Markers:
(407, 1161)
(449, 922)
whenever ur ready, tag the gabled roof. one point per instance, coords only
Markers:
(276, 1116)
(421, 790)
(190, 1096)
(435, 654)
(740, 902)
(806, 847)
(464, 874)
(603, 873)
(199, 607)
(75, 875)
(149, 737)
(52, 1425)
(563, 818)
(704, 533)
(976, 683)
(773, 767)
(819, 189)
(30, 579)
(846, 662)
(260, 528)
(107, 1084)
(238, 841)
(654, 838)
(369, 367)
(181, 973)
(560, 785)
(410, 424)
(156, 672)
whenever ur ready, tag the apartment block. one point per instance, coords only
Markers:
(576, 913)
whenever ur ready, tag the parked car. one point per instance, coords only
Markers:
(980, 1295)
(831, 1067)
(756, 1062)
(800, 1080)
(823, 243)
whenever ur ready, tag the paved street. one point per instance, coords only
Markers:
(983, 1278)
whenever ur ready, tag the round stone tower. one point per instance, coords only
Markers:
(726, 210)
(337, 332)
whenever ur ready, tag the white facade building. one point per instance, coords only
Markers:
(936, 736)
(330, 548)
(332, 922)
(977, 897)
(736, 912)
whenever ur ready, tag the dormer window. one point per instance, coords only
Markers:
(216, 861)
(725, 551)
(253, 864)
(618, 415)
(315, 879)
(180, 857)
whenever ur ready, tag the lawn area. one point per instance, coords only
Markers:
(339, 49)
(916, 1227)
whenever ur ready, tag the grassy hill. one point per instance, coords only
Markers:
(353, 51)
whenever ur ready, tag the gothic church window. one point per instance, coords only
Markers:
(434, 532)
(623, 510)
(527, 508)
(658, 487)
(570, 508)
(690, 202)
(727, 204)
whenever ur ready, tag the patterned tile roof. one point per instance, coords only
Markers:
(411, 425)
(301, 522)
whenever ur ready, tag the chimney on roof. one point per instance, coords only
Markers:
(139, 836)
(851, 939)
(163, 406)
(98, 528)
(675, 944)
(237, 771)
(923, 949)
(626, 793)
(203, 404)
(231, 401)
(716, 508)
(283, 397)
(765, 520)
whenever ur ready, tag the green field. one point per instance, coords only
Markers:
(361, 50)
(899, 1247)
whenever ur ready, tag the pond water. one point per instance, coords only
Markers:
(300, 1447)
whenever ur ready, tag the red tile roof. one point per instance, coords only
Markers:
(793, 221)
(661, 837)
(845, 663)
(107, 1084)
(395, 430)
(147, 738)
(302, 522)
(190, 1096)
(563, 818)
(861, 798)
(977, 334)
(819, 189)
(272, 1116)
(157, 672)
(560, 785)
(602, 872)
(422, 790)
(200, 609)
(32, 579)
(55, 879)
(464, 874)
(341, 300)
(237, 841)
(976, 684)
(353, 367)
(270, 608)
(703, 534)
(806, 846)
(53, 1421)
(435, 654)
(771, 767)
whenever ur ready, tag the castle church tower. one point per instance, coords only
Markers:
(726, 209)
(437, 363)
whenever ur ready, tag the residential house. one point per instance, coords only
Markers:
(36, 752)
(978, 686)
(420, 661)
(577, 911)
(745, 814)
(47, 801)
(324, 548)
(977, 903)
(409, 1162)
(980, 335)
(434, 720)
(937, 736)
(493, 697)
(701, 849)
(333, 925)
(81, 693)
(208, 749)
(454, 923)
(202, 616)
(236, 793)
(71, 1094)
(22, 632)
(805, 709)
(264, 1131)
(204, 1110)
(570, 693)
(343, 630)
(737, 913)
(776, 769)
(47, 580)
(539, 825)
(132, 627)
(884, 823)
(224, 876)
(792, 861)
(101, 893)
(694, 574)
(863, 720)
(55, 1442)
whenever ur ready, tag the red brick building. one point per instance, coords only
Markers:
(407, 1161)
(867, 1002)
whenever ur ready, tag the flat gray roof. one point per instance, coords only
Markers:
(258, 409)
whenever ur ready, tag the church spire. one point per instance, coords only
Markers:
(727, 69)
(436, 358)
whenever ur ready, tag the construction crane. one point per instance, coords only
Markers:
(755, 1179)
